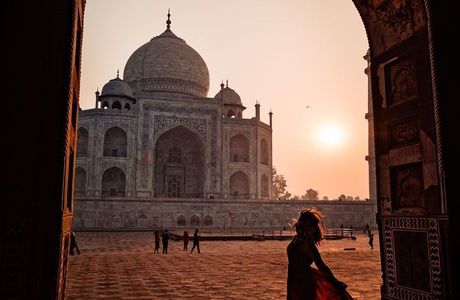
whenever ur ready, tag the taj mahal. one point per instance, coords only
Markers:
(157, 152)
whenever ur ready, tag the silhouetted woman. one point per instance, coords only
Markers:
(305, 282)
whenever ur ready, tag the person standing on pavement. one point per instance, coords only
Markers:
(196, 241)
(73, 244)
(366, 228)
(157, 241)
(165, 240)
(371, 239)
(185, 239)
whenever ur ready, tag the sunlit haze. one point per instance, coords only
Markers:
(302, 59)
(331, 136)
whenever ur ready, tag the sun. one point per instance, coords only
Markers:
(330, 135)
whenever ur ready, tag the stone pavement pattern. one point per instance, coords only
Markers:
(123, 266)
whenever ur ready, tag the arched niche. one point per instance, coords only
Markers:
(115, 142)
(239, 185)
(195, 220)
(239, 148)
(80, 181)
(179, 161)
(264, 153)
(208, 221)
(113, 183)
(116, 105)
(82, 142)
(264, 185)
(181, 220)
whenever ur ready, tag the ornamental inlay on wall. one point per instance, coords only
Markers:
(417, 275)
(400, 80)
(163, 122)
(160, 123)
(407, 187)
(404, 133)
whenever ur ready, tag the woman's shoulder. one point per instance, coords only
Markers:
(296, 242)
(303, 243)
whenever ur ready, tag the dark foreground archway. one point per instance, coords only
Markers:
(414, 74)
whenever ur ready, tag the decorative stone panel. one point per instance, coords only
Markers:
(156, 117)
(115, 214)
(390, 22)
(403, 133)
(163, 123)
(401, 84)
(411, 251)
(407, 187)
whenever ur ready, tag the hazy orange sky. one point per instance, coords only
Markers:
(286, 54)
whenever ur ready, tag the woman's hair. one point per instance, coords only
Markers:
(310, 218)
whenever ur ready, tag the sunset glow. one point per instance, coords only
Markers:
(330, 135)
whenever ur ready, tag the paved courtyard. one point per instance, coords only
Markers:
(123, 266)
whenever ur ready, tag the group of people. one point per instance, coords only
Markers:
(185, 238)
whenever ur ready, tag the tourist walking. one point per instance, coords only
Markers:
(157, 242)
(165, 240)
(73, 244)
(305, 282)
(196, 241)
(185, 239)
(371, 239)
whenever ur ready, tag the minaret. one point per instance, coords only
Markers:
(270, 114)
(222, 86)
(97, 97)
(371, 158)
(257, 111)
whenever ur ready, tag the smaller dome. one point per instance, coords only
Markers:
(117, 87)
(228, 95)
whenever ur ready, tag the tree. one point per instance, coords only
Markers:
(310, 194)
(278, 185)
(325, 198)
(286, 196)
(357, 198)
(349, 198)
(295, 197)
(342, 197)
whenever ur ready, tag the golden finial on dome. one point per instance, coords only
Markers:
(168, 22)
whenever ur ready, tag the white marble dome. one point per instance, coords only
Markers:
(167, 64)
(117, 87)
(228, 95)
